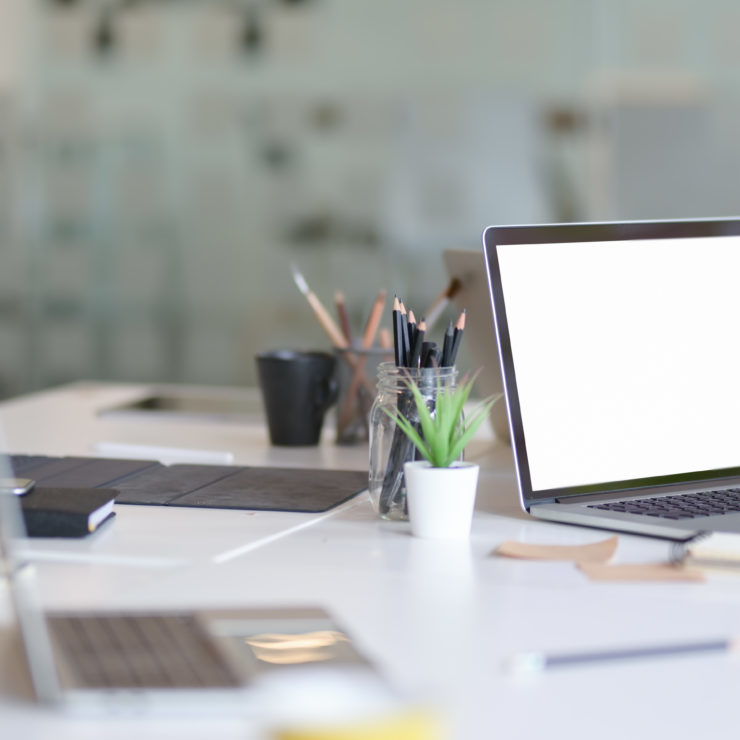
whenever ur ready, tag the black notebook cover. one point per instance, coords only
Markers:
(278, 489)
(201, 486)
(66, 512)
(160, 484)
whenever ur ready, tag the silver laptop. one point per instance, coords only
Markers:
(620, 356)
(162, 661)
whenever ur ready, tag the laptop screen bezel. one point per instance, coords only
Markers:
(495, 236)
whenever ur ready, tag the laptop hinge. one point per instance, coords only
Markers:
(586, 498)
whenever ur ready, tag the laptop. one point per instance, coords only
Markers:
(168, 661)
(620, 356)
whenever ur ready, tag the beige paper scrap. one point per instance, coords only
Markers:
(640, 572)
(596, 552)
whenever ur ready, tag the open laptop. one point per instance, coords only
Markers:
(620, 356)
(166, 661)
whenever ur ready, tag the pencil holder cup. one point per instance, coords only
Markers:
(390, 448)
(357, 370)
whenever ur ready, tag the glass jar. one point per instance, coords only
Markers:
(390, 448)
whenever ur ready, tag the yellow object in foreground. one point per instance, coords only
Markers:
(416, 725)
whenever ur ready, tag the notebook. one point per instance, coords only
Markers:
(620, 356)
(159, 660)
(66, 512)
(196, 485)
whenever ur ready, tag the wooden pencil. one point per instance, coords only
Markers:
(344, 322)
(368, 339)
(373, 320)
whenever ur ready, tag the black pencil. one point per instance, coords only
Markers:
(418, 343)
(432, 359)
(401, 449)
(426, 348)
(397, 340)
(459, 329)
(447, 345)
(411, 323)
(405, 346)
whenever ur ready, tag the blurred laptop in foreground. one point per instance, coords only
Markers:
(181, 661)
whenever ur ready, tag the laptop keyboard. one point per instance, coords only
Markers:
(140, 651)
(680, 506)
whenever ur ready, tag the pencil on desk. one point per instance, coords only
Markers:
(531, 663)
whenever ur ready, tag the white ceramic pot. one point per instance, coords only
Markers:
(441, 500)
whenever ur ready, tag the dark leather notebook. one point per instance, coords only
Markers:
(201, 486)
(66, 512)
(160, 484)
(278, 489)
(81, 472)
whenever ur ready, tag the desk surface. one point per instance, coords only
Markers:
(438, 619)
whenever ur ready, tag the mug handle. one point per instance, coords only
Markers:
(326, 394)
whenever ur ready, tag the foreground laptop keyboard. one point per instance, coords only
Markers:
(140, 651)
(681, 506)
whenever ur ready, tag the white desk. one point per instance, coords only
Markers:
(437, 619)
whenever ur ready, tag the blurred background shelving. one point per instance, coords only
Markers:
(162, 162)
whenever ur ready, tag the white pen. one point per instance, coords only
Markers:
(532, 663)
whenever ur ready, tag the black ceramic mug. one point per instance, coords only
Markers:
(297, 389)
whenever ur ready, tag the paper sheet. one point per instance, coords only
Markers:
(720, 547)
(640, 572)
(596, 552)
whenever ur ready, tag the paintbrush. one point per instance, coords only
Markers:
(327, 323)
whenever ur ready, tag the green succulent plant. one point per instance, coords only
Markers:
(442, 434)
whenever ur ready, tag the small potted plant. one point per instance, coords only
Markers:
(441, 488)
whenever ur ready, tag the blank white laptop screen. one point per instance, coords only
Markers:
(627, 356)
